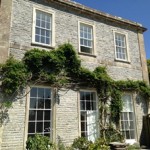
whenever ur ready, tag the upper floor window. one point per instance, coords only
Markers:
(42, 28)
(86, 38)
(88, 115)
(121, 46)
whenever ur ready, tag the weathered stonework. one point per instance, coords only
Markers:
(5, 23)
(66, 109)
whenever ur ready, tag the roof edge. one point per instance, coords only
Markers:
(116, 19)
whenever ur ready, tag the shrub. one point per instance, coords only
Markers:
(39, 142)
(133, 147)
(99, 144)
(81, 143)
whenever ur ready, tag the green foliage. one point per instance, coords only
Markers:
(81, 143)
(14, 76)
(99, 144)
(116, 105)
(133, 147)
(62, 65)
(113, 135)
(39, 142)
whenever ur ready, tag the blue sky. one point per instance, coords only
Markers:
(134, 10)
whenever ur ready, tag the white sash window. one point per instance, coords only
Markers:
(89, 115)
(40, 111)
(128, 119)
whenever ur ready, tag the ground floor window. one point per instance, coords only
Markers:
(88, 115)
(128, 117)
(40, 111)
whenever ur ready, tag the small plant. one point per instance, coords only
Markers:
(133, 147)
(81, 143)
(39, 142)
(113, 135)
(99, 144)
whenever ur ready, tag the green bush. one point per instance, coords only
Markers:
(39, 142)
(99, 144)
(81, 143)
(133, 147)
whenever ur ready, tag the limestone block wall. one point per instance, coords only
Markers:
(66, 119)
(67, 116)
(14, 126)
(5, 19)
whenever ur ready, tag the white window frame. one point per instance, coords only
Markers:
(52, 27)
(131, 141)
(28, 108)
(88, 112)
(127, 59)
(93, 37)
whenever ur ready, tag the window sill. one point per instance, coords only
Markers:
(87, 54)
(42, 45)
(123, 61)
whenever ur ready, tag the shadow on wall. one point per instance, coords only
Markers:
(145, 134)
(145, 131)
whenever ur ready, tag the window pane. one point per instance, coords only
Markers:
(131, 116)
(82, 97)
(47, 127)
(47, 93)
(42, 39)
(82, 105)
(86, 49)
(94, 106)
(40, 115)
(41, 92)
(37, 31)
(48, 25)
(127, 135)
(83, 116)
(47, 41)
(47, 115)
(88, 94)
(43, 32)
(39, 127)
(37, 38)
(41, 103)
(88, 105)
(47, 103)
(83, 126)
(32, 115)
(33, 92)
(38, 23)
(31, 127)
(131, 125)
(132, 134)
(33, 102)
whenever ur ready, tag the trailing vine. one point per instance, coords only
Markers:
(61, 67)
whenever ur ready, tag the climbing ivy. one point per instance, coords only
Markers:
(61, 67)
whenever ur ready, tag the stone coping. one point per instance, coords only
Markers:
(91, 11)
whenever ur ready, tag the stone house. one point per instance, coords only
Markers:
(99, 38)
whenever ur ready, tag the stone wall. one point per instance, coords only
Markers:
(5, 19)
(66, 30)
